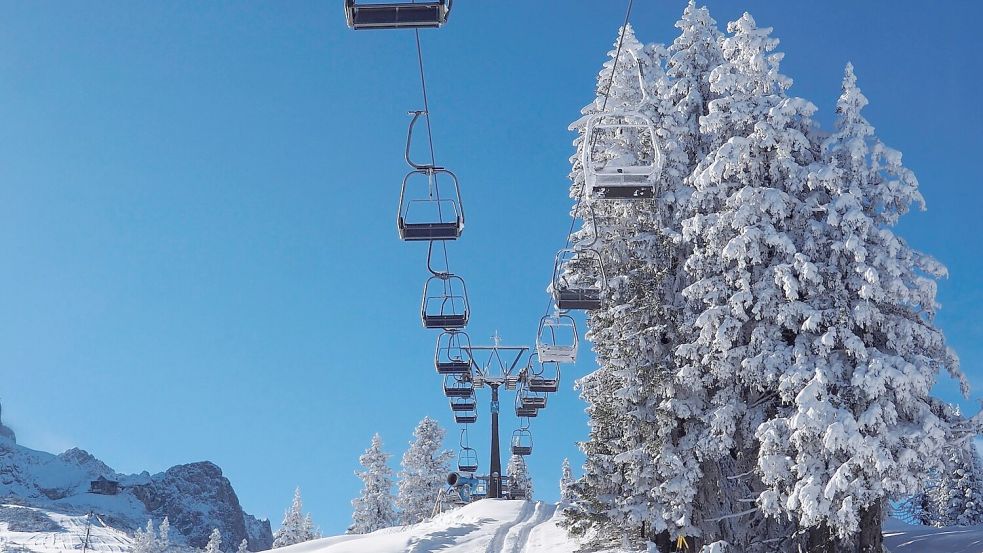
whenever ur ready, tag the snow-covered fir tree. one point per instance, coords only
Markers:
(296, 526)
(955, 495)
(566, 481)
(861, 426)
(149, 540)
(520, 481)
(424, 471)
(756, 310)
(374, 508)
(243, 546)
(214, 544)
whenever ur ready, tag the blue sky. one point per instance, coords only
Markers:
(197, 213)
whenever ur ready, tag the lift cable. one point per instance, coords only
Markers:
(604, 105)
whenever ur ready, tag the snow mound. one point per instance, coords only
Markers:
(501, 526)
(489, 525)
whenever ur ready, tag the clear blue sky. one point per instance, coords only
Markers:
(199, 255)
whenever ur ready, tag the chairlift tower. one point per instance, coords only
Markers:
(495, 366)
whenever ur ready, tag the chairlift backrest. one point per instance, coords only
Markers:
(580, 289)
(557, 339)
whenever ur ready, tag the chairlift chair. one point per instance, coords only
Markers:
(557, 339)
(457, 386)
(451, 356)
(467, 460)
(628, 175)
(426, 214)
(624, 177)
(463, 405)
(578, 279)
(445, 302)
(465, 417)
(522, 442)
(537, 379)
(397, 15)
(533, 400)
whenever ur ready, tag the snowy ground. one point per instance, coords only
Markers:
(67, 535)
(494, 526)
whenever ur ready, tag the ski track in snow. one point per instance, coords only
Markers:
(497, 543)
(541, 513)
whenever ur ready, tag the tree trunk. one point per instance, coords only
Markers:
(820, 541)
(871, 536)
(663, 542)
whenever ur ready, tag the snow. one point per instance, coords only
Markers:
(495, 525)
(489, 525)
(67, 537)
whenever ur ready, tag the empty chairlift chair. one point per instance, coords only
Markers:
(533, 400)
(464, 405)
(524, 411)
(397, 15)
(466, 417)
(541, 377)
(458, 386)
(578, 279)
(522, 442)
(452, 356)
(467, 460)
(426, 210)
(557, 340)
(445, 302)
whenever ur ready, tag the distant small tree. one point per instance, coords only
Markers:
(374, 508)
(520, 484)
(214, 544)
(296, 527)
(145, 540)
(243, 546)
(164, 536)
(566, 481)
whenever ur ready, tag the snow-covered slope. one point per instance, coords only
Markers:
(39, 531)
(500, 526)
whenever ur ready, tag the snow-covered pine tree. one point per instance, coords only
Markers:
(861, 426)
(425, 467)
(624, 239)
(145, 540)
(955, 497)
(749, 212)
(243, 546)
(214, 544)
(296, 527)
(374, 508)
(520, 481)
(566, 481)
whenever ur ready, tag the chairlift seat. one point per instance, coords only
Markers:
(430, 231)
(533, 402)
(463, 406)
(621, 185)
(467, 468)
(453, 367)
(521, 450)
(447, 322)
(583, 298)
(396, 15)
(529, 412)
(537, 384)
(556, 353)
(465, 419)
(465, 392)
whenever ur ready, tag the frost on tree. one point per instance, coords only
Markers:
(149, 540)
(520, 481)
(374, 508)
(424, 472)
(566, 482)
(296, 527)
(214, 544)
(860, 426)
(766, 347)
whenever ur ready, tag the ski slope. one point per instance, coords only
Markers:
(488, 525)
(500, 526)
(68, 537)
